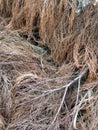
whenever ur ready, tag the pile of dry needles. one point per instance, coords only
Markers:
(41, 90)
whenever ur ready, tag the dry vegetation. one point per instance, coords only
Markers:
(48, 91)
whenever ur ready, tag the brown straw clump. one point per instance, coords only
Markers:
(6, 8)
(25, 16)
(56, 25)
(37, 93)
(46, 22)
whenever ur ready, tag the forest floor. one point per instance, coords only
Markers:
(51, 85)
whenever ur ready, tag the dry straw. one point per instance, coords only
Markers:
(39, 91)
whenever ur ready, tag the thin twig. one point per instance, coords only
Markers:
(70, 83)
(59, 109)
(75, 108)
(78, 108)
(66, 88)
(11, 62)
